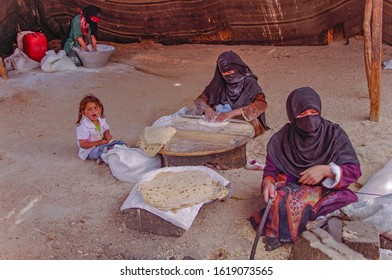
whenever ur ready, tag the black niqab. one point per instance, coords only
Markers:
(238, 89)
(292, 150)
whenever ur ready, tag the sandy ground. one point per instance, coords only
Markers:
(55, 206)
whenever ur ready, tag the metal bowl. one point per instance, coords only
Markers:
(96, 59)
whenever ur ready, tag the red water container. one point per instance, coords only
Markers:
(35, 45)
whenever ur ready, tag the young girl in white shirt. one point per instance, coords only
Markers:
(92, 130)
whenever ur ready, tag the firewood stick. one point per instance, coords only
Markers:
(3, 71)
(368, 42)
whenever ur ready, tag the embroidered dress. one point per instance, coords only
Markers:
(296, 204)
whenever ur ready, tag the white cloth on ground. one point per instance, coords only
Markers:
(183, 217)
(129, 164)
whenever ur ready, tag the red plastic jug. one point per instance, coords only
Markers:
(35, 45)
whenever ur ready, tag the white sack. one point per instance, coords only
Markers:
(377, 211)
(378, 184)
(20, 61)
(56, 62)
(129, 164)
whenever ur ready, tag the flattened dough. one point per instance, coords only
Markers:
(212, 124)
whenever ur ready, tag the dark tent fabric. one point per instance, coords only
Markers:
(278, 23)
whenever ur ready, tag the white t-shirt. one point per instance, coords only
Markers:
(88, 131)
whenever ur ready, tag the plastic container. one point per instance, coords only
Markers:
(96, 59)
(35, 45)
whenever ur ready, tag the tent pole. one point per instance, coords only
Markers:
(373, 51)
(376, 60)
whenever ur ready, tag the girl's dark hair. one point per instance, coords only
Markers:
(88, 12)
(86, 99)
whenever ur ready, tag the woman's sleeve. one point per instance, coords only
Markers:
(201, 103)
(254, 109)
(270, 170)
(345, 175)
(351, 173)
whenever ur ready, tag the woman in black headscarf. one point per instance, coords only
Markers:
(233, 92)
(83, 30)
(310, 164)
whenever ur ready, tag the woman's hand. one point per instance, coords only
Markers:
(228, 115)
(315, 174)
(221, 117)
(268, 190)
(210, 114)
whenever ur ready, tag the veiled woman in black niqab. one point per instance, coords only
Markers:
(233, 92)
(309, 165)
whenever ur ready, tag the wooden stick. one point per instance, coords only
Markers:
(368, 42)
(3, 71)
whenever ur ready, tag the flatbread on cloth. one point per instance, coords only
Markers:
(176, 190)
(154, 138)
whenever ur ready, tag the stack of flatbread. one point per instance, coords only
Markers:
(154, 138)
(175, 190)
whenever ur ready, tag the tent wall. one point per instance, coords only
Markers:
(267, 22)
(387, 22)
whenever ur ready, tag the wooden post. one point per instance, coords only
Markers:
(376, 60)
(372, 26)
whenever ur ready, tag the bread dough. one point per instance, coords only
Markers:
(212, 124)
(159, 134)
(154, 138)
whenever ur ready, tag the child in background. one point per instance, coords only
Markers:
(82, 31)
(92, 130)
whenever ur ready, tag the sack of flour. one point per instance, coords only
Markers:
(20, 61)
(56, 62)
